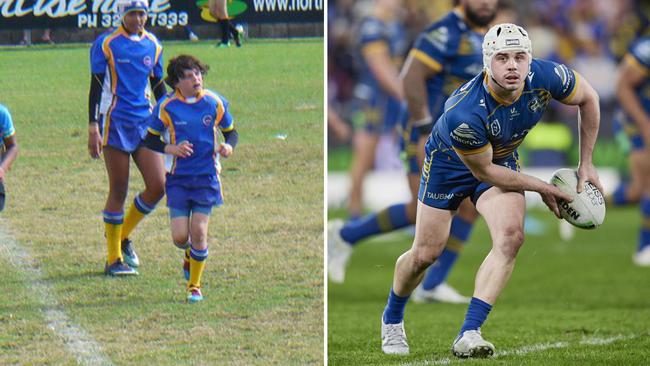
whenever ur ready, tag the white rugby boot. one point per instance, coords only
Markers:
(441, 293)
(393, 338)
(642, 257)
(471, 344)
(338, 252)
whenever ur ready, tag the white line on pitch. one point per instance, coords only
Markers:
(529, 349)
(81, 344)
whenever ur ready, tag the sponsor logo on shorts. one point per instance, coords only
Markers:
(440, 196)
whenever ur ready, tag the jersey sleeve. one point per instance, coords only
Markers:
(156, 124)
(372, 38)
(158, 67)
(467, 133)
(6, 124)
(226, 123)
(433, 46)
(639, 55)
(98, 62)
(562, 82)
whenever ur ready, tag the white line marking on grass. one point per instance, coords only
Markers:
(531, 348)
(84, 348)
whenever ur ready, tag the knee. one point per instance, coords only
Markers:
(156, 189)
(180, 239)
(511, 240)
(422, 258)
(117, 193)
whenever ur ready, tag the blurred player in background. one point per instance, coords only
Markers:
(122, 62)
(633, 91)
(189, 118)
(444, 56)
(472, 152)
(8, 148)
(219, 11)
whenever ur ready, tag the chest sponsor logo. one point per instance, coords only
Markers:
(181, 123)
(207, 120)
(123, 61)
(147, 61)
(465, 135)
(439, 196)
(514, 113)
(495, 128)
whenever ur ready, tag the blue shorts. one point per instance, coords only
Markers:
(409, 139)
(622, 123)
(122, 134)
(382, 113)
(445, 185)
(193, 193)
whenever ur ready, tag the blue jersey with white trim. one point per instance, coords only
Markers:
(639, 55)
(475, 118)
(6, 125)
(196, 120)
(377, 34)
(127, 62)
(453, 50)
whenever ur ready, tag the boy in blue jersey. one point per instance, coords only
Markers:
(189, 119)
(444, 56)
(123, 61)
(472, 152)
(8, 148)
(632, 90)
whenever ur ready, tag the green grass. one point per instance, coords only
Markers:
(263, 281)
(559, 292)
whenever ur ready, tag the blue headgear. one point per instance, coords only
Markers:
(126, 6)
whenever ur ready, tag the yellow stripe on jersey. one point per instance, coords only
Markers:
(426, 59)
(152, 131)
(632, 61)
(575, 88)
(158, 46)
(163, 115)
(473, 151)
(220, 111)
(109, 57)
(107, 120)
(375, 47)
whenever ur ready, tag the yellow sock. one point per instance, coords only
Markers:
(113, 242)
(136, 213)
(197, 263)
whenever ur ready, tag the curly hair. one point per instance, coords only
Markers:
(179, 64)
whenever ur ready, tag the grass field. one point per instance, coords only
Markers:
(264, 280)
(580, 302)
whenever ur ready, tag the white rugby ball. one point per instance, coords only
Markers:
(587, 210)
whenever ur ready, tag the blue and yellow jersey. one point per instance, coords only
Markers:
(127, 62)
(6, 125)
(475, 118)
(196, 120)
(378, 35)
(639, 56)
(453, 50)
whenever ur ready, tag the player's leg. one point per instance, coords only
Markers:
(363, 158)
(219, 11)
(151, 167)
(117, 167)
(433, 286)
(504, 214)
(642, 255)
(629, 192)
(431, 232)
(198, 250)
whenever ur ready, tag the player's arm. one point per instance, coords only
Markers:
(631, 76)
(154, 142)
(480, 164)
(158, 87)
(94, 96)
(586, 98)
(10, 154)
(377, 56)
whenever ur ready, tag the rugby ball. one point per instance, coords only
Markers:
(587, 210)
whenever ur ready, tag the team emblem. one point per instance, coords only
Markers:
(207, 120)
(147, 61)
(495, 128)
(535, 105)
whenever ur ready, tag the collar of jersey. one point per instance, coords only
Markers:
(127, 35)
(182, 98)
(496, 97)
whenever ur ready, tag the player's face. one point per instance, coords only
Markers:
(480, 12)
(134, 21)
(191, 83)
(509, 69)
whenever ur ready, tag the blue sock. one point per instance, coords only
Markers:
(392, 218)
(438, 272)
(618, 197)
(394, 311)
(477, 312)
(644, 234)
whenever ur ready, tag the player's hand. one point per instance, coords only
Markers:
(94, 140)
(2, 174)
(551, 195)
(181, 150)
(587, 172)
(224, 149)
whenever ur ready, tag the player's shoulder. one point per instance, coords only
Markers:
(542, 72)
(371, 28)
(109, 35)
(152, 37)
(640, 48)
(3, 110)
(443, 32)
(214, 96)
